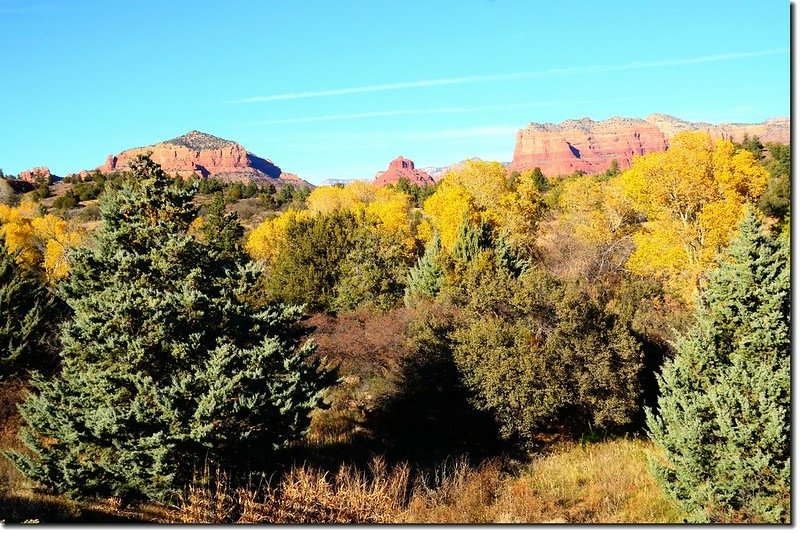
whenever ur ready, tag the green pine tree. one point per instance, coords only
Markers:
(426, 278)
(222, 230)
(373, 272)
(165, 364)
(26, 309)
(471, 239)
(723, 421)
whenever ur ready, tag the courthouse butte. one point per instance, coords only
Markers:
(590, 146)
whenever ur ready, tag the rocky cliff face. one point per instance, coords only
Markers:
(401, 167)
(590, 146)
(208, 156)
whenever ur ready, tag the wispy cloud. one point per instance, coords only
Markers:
(12, 8)
(423, 111)
(487, 78)
(373, 139)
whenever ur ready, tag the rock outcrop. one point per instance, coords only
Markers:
(207, 156)
(590, 146)
(401, 167)
(36, 174)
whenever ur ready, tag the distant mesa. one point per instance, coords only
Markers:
(207, 156)
(590, 146)
(438, 173)
(401, 167)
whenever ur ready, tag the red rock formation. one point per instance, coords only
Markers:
(36, 173)
(590, 146)
(208, 156)
(401, 167)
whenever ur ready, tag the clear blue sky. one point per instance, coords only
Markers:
(338, 88)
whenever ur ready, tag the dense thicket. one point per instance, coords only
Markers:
(165, 364)
(307, 271)
(724, 413)
(541, 355)
(536, 353)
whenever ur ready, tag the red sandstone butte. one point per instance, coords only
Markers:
(207, 156)
(36, 173)
(401, 167)
(590, 146)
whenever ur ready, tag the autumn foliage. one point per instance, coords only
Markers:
(693, 197)
(40, 240)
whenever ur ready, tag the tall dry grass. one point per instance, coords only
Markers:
(606, 482)
(303, 496)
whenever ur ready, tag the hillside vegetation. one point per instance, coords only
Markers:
(498, 347)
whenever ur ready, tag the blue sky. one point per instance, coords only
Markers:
(338, 88)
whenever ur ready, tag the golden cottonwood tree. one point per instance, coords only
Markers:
(386, 210)
(480, 190)
(596, 219)
(693, 197)
(266, 240)
(40, 240)
(352, 197)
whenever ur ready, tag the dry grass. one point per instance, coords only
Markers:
(607, 482)
(303, 496)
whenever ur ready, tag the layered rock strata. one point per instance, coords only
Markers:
(207, 156)
(591, 146)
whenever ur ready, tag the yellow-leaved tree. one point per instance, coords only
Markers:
(594, 227)
(39, 240)
(480, 190)
(386, 210)
(266, 240)
(693, 197)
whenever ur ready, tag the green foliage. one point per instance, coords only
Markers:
(308, 270)
(724, 413)
(67, 201)
(426, 278)
(540, 354)
(289, 194)
(165, 364)
(751, 144)
(776, 200)
(373, 272)
(612, 171)
(779, 162)
(475, 238)
(222, 230)
(470, 240)
(540, 180)
(41, 191)
(26, 310)
(417, 193)
(249, 190)
(233, 192)
(210, 185)
(88, 190)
